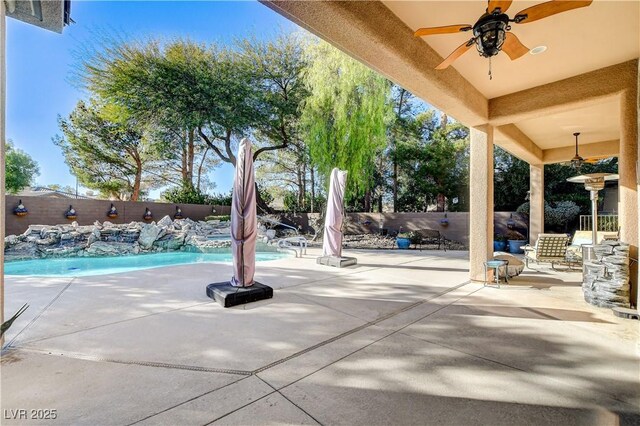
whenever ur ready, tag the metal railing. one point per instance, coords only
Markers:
(606, 222)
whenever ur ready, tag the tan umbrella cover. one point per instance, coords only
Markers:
(332, 241)
(244, 228)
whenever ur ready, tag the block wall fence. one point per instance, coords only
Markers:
(457, 229)
(50, 211)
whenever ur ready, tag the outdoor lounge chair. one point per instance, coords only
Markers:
(550, 248)
(580, 238)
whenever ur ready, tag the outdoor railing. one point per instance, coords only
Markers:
(606, 222)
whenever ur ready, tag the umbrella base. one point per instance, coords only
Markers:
(227, 295)
(626, 313)
(336, 262)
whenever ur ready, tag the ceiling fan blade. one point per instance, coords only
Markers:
(502, 4)
(456, 54)
(448, 29)
(549, 8)
(513, 47)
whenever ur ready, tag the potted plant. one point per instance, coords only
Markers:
(516, 240)
(403, 240)
(499, 242)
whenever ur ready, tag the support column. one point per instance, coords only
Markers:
(3, 98)
(481, 200)
(536, 201)
(628, 183)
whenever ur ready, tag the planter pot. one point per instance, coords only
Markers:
(499, 245)
(403, 243)
(514, 246)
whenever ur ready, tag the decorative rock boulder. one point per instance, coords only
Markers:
(148, 235)
(109, 239)
(606, 279)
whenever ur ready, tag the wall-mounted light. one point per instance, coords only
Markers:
(20, 210)
(178, 214)
(71, 213)
(511, 223)
(113, 212)
(147, 214)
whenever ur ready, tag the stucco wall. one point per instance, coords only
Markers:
(50, 211)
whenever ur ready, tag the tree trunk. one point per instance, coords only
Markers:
(440, 202)
(136, 183)
(262, 206)
(300, 194)
(201, 166)
(380, 203)
(367, 201)
(395, 183)
(190, 157)
(313, 190)
(183, 159)
(303, 190)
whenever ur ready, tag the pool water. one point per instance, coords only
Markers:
(86, 266)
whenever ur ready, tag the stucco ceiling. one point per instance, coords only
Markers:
(596, 123)
(578, 41)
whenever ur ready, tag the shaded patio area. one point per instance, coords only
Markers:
(403, 338)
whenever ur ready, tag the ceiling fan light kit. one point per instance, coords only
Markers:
(491, 32)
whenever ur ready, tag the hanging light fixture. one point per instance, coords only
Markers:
(20, 210)
(178, 214)
(113, 212)
(71, 213)
(577, 161)
(490, 32)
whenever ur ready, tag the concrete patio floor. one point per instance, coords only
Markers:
(401, 338)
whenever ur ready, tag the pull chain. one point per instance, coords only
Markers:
(490, 76)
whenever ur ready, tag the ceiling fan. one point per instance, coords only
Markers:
(577, 161)
(491, 32)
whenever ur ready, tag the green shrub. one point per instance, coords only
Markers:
(185, 195)
(222, 218)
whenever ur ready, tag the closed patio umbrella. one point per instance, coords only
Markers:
(332, 241)
(243, 218)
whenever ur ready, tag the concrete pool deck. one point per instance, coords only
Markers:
(401, 338)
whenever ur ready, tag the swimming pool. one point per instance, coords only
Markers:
(86, 266)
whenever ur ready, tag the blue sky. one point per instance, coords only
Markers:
(39, 63)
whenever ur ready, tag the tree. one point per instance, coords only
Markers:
(107, 150)
(511, 180)
(278, 68)
(344, 117)
(433, 163)
(221, 93)
(20, 169)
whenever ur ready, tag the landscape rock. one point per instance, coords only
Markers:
(102, 248)
(148, 235)
(165, 222)
(21, 251)
(605, 281)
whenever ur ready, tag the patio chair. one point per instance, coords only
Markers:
(430, 236)
(550, 248)
(580, 238)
